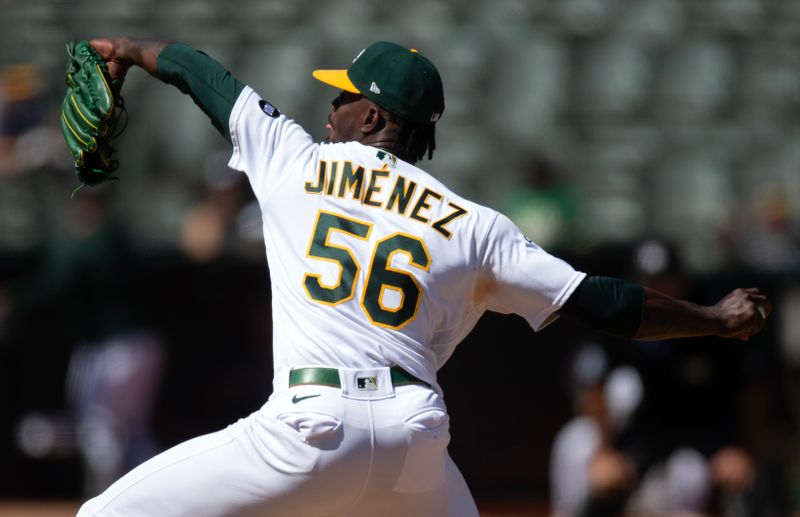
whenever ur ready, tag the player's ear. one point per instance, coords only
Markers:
(373, 120)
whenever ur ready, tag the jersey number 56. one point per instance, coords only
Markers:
(381, 276)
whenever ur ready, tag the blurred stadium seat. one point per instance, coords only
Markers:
(648, 79)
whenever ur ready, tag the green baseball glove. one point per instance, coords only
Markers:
(90, 113)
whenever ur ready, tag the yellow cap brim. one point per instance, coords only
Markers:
(336, 78)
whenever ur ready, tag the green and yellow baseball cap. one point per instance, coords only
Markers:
(395, 78)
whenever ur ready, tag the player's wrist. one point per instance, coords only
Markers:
(715, 319)
(117, 50)
(142, 52)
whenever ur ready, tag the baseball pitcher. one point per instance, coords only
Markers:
(378, 271)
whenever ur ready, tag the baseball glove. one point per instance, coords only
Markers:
(90, 113)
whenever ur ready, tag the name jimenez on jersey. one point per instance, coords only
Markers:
(342, 179)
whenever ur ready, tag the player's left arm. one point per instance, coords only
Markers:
(740, 314)
(629, 310)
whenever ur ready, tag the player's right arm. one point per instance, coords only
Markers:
(266, 144)
(122, 53)
(211, 86)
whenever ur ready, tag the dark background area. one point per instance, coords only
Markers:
(506, 386)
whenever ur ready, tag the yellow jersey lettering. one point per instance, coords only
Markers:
(401, 195)
(373, 187)
(316, 189)
(439, 225)
(352, 181)
(352, 184)
(332, 178)
(422, 204)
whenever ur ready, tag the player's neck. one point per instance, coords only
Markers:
(385, 139)
(385, 144)
(388, 145)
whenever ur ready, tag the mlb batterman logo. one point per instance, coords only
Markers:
(367, 383)
(388, 159)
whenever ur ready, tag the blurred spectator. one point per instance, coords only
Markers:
(217, 324)
(21, 109)
(770, 240)
(543, 205)
(661, 428)
(30, 137)
(222, 221)
(30, 142)
(90, 275)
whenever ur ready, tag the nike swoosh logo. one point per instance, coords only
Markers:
(297, 399)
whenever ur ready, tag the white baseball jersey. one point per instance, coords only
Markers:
(373, 261)
(374, 264)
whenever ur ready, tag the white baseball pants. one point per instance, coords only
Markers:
(365, 449)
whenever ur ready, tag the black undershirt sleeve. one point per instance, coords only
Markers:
(211, 86)
(607, 304)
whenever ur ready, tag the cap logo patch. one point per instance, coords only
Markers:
(374, 88)
(435, 117)
(268, 109)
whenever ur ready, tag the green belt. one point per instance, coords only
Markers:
(330, 377)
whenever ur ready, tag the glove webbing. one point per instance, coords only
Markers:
(114, 132)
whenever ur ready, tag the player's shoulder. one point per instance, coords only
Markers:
(479, 217)
(254, 108)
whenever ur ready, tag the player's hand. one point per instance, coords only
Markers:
(742, 313)
(610, 473)
(114, 54)
(122, 53)
(733, 470)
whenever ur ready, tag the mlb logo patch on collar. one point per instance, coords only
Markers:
(268, 109)
(388, 159)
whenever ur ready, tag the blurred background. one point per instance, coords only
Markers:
(137, 314)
